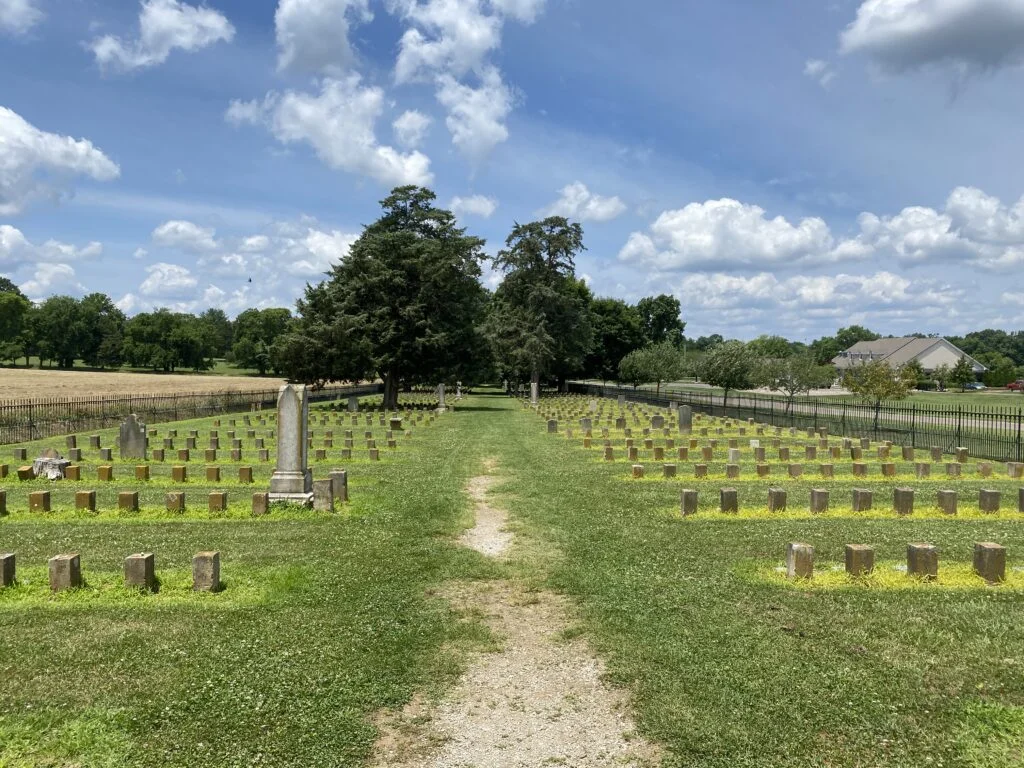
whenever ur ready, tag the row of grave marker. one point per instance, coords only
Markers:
(325, 494)
(922, 561)
(922, 471)
(65, 572)
(989, 501)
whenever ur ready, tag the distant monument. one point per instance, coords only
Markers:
(292, 479)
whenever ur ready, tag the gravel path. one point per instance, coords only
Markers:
(540, 701)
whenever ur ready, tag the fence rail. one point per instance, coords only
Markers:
(987, 432)
(25, 420)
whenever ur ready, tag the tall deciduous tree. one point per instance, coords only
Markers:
(617, 332)
(661, 321)
(962, 373)
(729, 365)
(539, 322)
(794, 375)
(876, 381)
(658, 363)
(404, 304)
(103, 331)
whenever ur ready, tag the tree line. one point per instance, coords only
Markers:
(407, 306)
(63, 330)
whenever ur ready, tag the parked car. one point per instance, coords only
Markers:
(1017, 386)
(975, 385)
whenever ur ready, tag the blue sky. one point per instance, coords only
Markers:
(789, 166)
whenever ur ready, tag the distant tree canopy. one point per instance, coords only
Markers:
(657, 364)
(661, 320)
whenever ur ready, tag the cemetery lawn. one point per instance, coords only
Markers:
(325, 620)
(731, 669)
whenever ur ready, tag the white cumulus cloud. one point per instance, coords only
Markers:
(50, 279)
(726, 232)
(17, 250)
(338, 123)
(35, 164)
(476, 116)
(17, 17)
(168, 280)
(579, 203)
(973, 228)
(474, 205)
(185, 235)
(313, 35)
(410, 128)
(904, 35)
(163, 26)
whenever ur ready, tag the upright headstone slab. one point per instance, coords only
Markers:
(728, 501)
(260, 504)
(140, 571)
(947, 502)
(440, 398)
(340, 479)
(688, 502)
(990, 561)
(989, 500)
(323, 495)
(206, 572)
(776, 500)
(7, 572)
(903, 501)
(685, 418)
(133, 438)
(922, 561)
(292, 479)
(353, 404)
(799, 560)
(860, 559)
(534, 392)
(65, 572)
(819, 500)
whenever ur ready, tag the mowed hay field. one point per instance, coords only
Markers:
(18, 384)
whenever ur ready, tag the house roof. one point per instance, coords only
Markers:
(895, 352)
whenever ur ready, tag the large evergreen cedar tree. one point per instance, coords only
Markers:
(403, 305)
(538, 321)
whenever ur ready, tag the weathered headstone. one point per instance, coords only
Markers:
(7, 570)
(903, 501)
(799, 560)
(989, 500)
(990, 561)
(947, 501)
(776, 500)
(140, 571)
(133, 438)
(688, 502)
(292, 479)
(323, 495)
(860, 559)
(206, 572)
(819, 500)
(922, 561)
(65, 572)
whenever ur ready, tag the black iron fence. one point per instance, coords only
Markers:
(25, 420)
(987, 432)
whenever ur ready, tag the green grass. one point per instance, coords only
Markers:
(730, 670)
(326, 619)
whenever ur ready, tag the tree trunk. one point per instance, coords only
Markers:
(391, 391)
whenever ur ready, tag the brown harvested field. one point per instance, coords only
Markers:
(31, 383)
